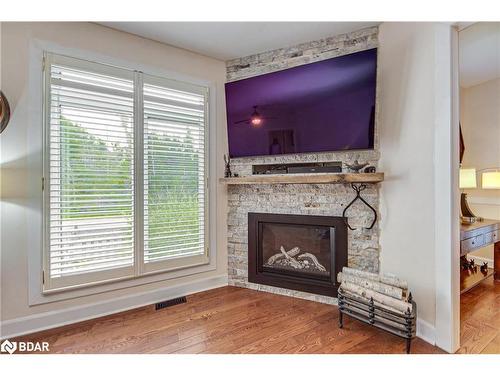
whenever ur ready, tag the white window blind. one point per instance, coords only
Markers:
(174, 178)
(107, 132)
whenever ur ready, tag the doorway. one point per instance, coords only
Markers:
(479, 184)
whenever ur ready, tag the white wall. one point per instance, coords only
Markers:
(21, 198)
(415, 135)
(410, 72)
(480, 120)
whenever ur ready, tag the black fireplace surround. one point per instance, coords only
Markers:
(299, 252)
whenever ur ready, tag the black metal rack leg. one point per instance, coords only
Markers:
(400, 324)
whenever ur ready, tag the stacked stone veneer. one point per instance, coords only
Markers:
(303, 199)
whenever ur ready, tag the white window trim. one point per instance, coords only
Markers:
(35, 142)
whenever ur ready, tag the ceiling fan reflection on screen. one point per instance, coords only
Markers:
(255, 118)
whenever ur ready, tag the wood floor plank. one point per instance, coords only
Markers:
(480, 318)
(251, 331)
(493, 347)
(475, 336)
(238, 320)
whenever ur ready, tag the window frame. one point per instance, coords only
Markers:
(180, 263)
(86, 284)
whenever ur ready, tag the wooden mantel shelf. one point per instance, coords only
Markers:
(305, 178)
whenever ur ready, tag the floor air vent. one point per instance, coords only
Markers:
(170, 302)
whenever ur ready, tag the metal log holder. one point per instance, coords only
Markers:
(400, 324)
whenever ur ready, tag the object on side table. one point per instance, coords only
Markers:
(490, 179)
(466, 264)
(467, 220)
(371, 298)
(484, 267)
(227, 170)
(467, 181)
(4, 112)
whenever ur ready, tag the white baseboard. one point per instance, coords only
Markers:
(481, 260)
(53, 319)
(426, 331)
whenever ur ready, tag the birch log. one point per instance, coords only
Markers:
(382, 278)
(385, 300)
(388, 290)
(378, 318)
(367, 301)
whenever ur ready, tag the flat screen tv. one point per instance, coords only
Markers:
(323, 106)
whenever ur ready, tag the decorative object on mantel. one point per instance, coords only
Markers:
(227, 170)
(356, 166)
(370, 169)
(4, 112)
(358, 189)
(379, 300)
(304, 167)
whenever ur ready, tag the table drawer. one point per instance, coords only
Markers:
(496, 236)
(491, 237)
(471, 243)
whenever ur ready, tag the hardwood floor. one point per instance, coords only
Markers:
(236, 320)
(480, 318)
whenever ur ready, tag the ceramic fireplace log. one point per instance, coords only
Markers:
(293, 261)
(382, 278)
(388, 290)
(397, 304)
(313, 259)
(292, 252)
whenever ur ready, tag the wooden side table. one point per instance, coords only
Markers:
(473, 237)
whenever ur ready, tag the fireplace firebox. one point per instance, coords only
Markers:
(299, 252)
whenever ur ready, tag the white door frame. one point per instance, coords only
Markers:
(447, 194)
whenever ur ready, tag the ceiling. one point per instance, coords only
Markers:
(229, 40)
(479, 53)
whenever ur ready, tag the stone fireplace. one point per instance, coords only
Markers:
(326, 200)
(299, 252)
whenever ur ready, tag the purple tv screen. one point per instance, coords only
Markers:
(323, 106)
